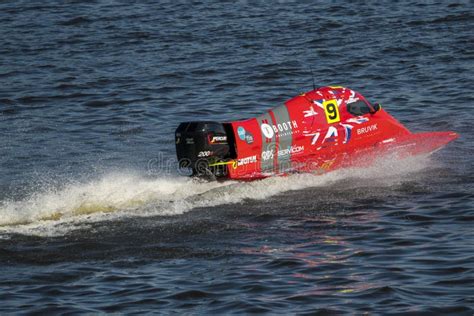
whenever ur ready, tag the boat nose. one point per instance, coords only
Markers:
(453, 135)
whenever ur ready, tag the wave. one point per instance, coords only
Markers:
(52, 212)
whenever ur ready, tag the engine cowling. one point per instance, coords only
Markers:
(200, 146)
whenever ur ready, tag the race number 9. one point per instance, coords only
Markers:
(331, 110)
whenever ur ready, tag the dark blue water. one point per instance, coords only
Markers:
(94, 218)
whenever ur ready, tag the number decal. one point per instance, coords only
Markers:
(331, 110)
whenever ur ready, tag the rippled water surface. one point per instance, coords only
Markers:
(93, 218)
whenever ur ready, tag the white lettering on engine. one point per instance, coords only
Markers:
(219, 139)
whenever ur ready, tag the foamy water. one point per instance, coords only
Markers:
(52, 212)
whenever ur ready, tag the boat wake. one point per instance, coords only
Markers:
(53, 212)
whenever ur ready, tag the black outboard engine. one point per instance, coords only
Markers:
(203, 146)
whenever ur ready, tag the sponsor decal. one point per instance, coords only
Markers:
(241, 132)
(283, 129)
(290, 150)
(189, 141)
(367, 129)
(267, 130)
(245, 135)
(218, 139)
(247, 160)
(249, 138)
(267, 154)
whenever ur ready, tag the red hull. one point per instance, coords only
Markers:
(322, 130)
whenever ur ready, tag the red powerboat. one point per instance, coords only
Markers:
(321, 130)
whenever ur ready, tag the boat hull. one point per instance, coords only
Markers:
(318, 131)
